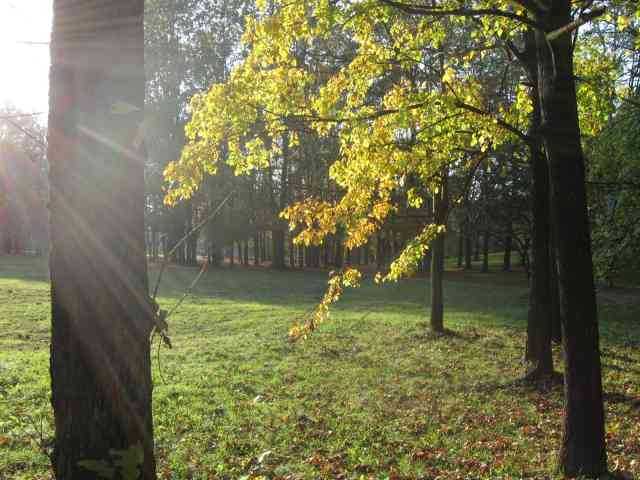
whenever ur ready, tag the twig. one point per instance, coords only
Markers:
(190, 289)
(210, 217)
(577, 23)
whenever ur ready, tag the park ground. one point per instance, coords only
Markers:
(372, 395)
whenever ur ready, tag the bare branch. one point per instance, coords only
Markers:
(578, 22)
(432, 11)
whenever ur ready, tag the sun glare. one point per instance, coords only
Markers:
(25, 27)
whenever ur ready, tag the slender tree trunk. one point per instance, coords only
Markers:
(583, 450)
(538, 346)
(278, 249)
(460, 248)
(539, 317)
(468, 249)
(440, 207)
(300, 256)
(508, 246)
(292, 256)
(256, 249)
(101, 312)
(476, 254)
(556, 317)
(485, 251)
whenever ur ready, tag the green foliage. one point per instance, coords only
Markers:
(124, 464)
(614, 173)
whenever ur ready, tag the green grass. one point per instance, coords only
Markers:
(371, 395)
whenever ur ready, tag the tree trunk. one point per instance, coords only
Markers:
(538, 345)
(508, 246)
(538, 349)
(256, 249)
(468, 250)
(476, 253)
(440, 207)
(583, 450)
(460, 248)
(556, 317)
(101, 312)
(301, 256)
(485, 251)
(278, 249)
(292, 256)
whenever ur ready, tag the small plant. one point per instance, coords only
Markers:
(123, 465)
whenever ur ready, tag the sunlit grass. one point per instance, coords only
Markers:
(372, 395)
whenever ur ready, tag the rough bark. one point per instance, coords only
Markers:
(583, 447)
(101, 312)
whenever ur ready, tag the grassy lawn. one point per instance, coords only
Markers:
(371, 395)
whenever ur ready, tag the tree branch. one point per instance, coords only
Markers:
(578, 22)
(433, 11)
(507, 126)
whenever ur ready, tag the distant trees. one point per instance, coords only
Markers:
(23, 184)
(101, 312)
(614, 193)
(189, 44)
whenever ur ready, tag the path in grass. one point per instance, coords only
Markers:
(371, 395)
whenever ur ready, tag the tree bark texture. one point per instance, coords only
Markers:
(583, 446)
(101, 312)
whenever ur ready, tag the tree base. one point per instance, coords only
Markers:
(542, 379)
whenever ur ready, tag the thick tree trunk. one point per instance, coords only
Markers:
(101, 312)
(583, 446)
(440, 207)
